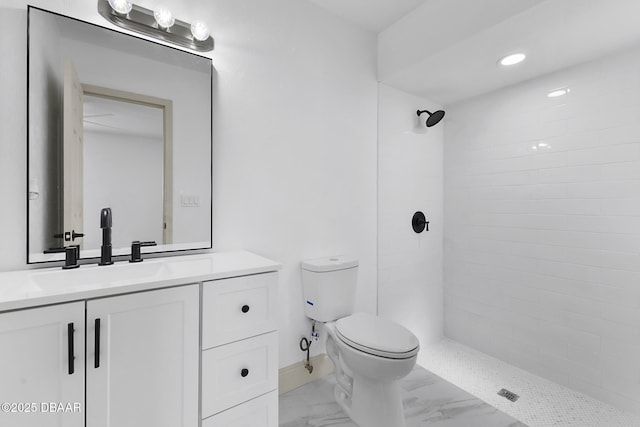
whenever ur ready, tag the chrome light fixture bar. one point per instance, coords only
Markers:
(143, 21)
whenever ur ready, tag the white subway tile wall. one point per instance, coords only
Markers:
(542, 227)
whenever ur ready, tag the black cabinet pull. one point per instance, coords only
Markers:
(244, 372)
(96, 361)
(70, 332)
(245, 308)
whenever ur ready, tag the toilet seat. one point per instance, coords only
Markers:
(377, 336)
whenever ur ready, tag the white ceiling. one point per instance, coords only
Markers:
(373, 15)
(447, 50)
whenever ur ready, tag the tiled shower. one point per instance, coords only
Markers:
(542, 227)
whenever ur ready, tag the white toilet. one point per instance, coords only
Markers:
(370, 353)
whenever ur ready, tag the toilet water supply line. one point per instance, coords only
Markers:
(305, 345)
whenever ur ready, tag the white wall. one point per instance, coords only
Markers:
(410, 175)
(295, 144)
(13, 139)
(542, 231)
(294, 152)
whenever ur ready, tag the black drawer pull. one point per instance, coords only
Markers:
(245, 308)
(244, 372)
(96, 360)
(70, 332)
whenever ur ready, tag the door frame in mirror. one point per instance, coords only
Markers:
(166, 105)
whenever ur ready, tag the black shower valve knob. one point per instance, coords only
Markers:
(419, 222)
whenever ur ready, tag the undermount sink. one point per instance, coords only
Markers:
(101, 277)
(94, 275)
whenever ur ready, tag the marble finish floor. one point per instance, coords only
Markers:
(428, 401)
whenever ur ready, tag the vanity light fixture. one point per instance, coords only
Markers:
(512, 59)
(159, 24)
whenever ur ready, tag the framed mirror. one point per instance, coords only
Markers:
(120, 122)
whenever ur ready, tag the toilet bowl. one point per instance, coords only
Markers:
(369, 362)
(370, 353)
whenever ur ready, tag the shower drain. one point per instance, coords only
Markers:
(508, 394)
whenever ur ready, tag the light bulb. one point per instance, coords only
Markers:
(121, 6)
(164, 17)
(200, 30)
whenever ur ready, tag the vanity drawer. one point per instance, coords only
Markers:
(237, 308)
(237, 372)
(259, 412)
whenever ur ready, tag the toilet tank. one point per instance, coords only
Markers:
(329, 287)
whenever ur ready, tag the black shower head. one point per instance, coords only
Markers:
(434, 118)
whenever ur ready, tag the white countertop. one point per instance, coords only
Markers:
(31, 288)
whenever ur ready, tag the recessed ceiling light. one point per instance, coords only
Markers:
(512, 59)
(558, 92)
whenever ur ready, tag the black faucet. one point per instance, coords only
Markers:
(105, 224)
(136, 253)
(71, 256)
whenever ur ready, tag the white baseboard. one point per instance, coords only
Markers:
(296, 375)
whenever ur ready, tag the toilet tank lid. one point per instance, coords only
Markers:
(332, 263)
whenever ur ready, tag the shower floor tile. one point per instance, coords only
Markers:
(428, 401)
(542, 403)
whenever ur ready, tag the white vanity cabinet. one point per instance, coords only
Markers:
(240, 352)
(142, 359)
(184, 341)
(35, 368)
(141, 362)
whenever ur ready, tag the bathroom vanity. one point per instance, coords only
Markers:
(180, 341)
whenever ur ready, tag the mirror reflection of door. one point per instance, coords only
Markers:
(72, 157)
(127, 164)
